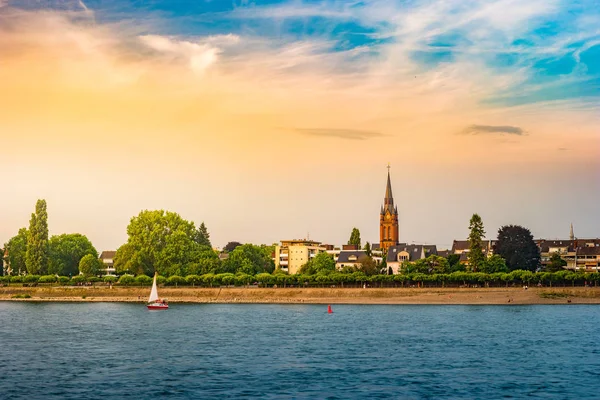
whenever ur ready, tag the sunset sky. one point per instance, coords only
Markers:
(273, 120)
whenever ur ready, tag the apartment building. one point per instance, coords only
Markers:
(291, 255)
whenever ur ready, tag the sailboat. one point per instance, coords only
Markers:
(154, 302)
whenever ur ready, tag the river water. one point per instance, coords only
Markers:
(216, 351)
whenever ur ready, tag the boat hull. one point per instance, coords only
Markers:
(157, 306)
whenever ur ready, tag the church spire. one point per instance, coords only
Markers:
(571, 235)
(388, 200)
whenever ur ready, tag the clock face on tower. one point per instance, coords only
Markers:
(387, 216)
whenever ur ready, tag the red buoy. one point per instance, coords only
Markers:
(329, 310)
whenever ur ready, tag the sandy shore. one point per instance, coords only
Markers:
(577, 295)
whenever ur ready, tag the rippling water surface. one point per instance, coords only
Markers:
(103, 350)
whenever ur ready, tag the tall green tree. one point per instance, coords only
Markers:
(321, 263)
(249, 259)
(202, 236)
(494, 264)
(16, 250)
(367, 249)
(477, 233)
(206, 261)
(454, 262)
(384, 266)
(231, 246)
(368, 266)
(431, 265)
(36, 258)
(516, 245)
(90, 265)
(123, 261)
(556, 263)
(355, 237)
(66, 251)
(158, 241)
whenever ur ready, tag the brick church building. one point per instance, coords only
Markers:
(388, 219)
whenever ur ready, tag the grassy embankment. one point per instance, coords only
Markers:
(543, 295)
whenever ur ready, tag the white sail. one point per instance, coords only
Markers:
(154, 293)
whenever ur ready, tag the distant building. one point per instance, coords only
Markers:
(291, 255)
(461, 247)
(397, 255)
(352, 257)
(107, 257)
(335, 251)
(444, 253)
(580, 254)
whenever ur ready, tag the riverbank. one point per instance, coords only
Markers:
(544, 295)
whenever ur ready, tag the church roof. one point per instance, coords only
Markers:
(388, 200)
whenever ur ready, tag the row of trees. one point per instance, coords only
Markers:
(357, 278)
(323, 263)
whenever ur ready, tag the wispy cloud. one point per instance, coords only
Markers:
(492, 129)
(351, 134)
(200, 56)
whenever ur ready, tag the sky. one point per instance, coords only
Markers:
(273, 120)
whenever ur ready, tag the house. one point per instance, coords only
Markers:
(403, 252)
(349, 258)
(444, 253)
(462, 247)
(107, 258)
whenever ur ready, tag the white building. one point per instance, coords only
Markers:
(107, 258)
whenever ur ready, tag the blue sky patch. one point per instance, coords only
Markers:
(431, 59)
(591, 59)
(555, 66)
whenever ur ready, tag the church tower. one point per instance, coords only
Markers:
(571, 234)
(388, 219)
